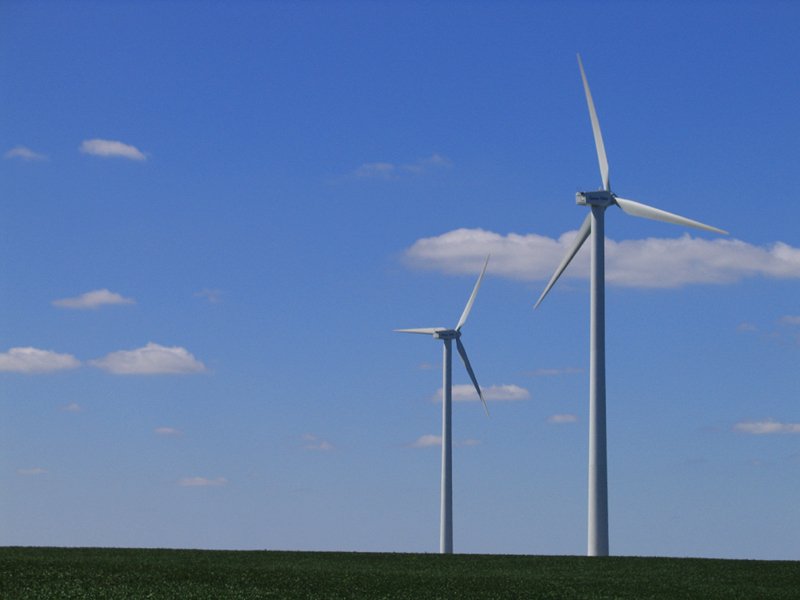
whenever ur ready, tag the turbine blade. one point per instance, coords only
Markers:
(462, 351)
(583, 233)
(648, 212)
(471, 300)
(598, 137)
(424, 330)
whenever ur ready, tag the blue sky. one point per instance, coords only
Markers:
(214, 214)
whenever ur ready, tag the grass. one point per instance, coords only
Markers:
(87, 573)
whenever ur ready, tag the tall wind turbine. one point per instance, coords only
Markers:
(447, 336)
(598, 202)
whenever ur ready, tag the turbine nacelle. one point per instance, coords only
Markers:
(598, 198)
(447, 334)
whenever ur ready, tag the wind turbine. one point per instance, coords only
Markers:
(447, 336)
(598, 202)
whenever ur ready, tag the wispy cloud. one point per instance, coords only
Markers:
(111, 148)
(312, 442)
(92, 300)
(466, 393)
(202, 482)
(33, 360)
(213, 296)
(388, 170)
(24, 153)
(647, 263)
(469, 442)
(766, 427)
(72, 407)
(561, 419)
(152, 359)
(555, 372)
(168, 431)
(786, 329)
(429, 440)
(32, 471)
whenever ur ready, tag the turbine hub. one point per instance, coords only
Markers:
(598, 198)
(447, 334)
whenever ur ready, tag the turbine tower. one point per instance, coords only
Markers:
(598, 202)
(447, 336)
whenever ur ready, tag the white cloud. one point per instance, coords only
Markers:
(647, 263)
(92, 300)
(168, 431)
(73, 407)
(33, 471)
(466, 393)
(387, 170)
(790, 320)
(33, 360)
(766, 427)
(561, 419)
(746, 327)
(426, 441)
(24, 153)
(107, 148)
(213, 296)
(202, 482)
(312, 442)
(152, 359)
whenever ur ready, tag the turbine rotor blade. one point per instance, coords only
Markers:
(471, 300)
(423, 330)
(638, 209)
(462, 351)
(583, 233)
(598, 137)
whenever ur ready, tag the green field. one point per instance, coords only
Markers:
(43, 573)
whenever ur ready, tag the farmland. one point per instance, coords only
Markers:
(44, 573)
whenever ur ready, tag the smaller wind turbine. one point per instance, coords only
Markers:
(447, 336)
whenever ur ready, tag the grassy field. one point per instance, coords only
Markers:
(44, 573)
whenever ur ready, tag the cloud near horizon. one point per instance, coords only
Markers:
(92, 300)
(33, 360)
(646, 263)
(111, 148)
(168, 431)
(561, 419)
(152, 359)
(32, 472)
(555, 372)
(24, 153)
(766, 427)
(429, 440)
(202, 482)
(312, 442)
